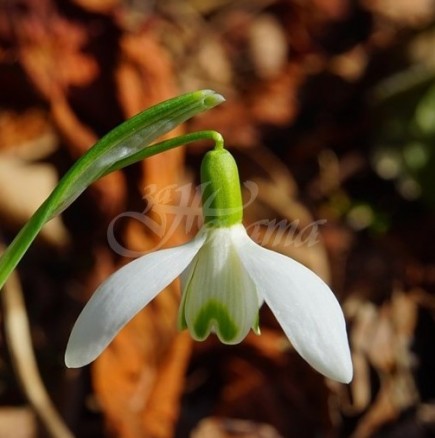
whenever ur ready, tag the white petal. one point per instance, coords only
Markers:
(123, 295)
(305, 307)
(218, 294)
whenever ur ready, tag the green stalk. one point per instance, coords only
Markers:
(166, 145)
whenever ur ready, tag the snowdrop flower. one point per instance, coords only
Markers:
(225, 279)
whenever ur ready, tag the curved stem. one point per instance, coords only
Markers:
(166, 145)
(56, 202)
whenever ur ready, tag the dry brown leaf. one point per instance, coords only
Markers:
(380, 339)
(51, 51)
(28, 135)
(23, 188)
(139, 378)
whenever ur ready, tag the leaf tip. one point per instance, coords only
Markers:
(211, 98)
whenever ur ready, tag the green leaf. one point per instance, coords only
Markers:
(124, 145)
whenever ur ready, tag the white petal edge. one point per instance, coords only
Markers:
(122, 296)
(305, 307)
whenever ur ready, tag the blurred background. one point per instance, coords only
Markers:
(330, 110)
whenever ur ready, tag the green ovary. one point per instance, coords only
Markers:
(221, 195)
(214, 315)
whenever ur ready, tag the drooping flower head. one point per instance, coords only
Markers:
(225, 278)
(218, 294)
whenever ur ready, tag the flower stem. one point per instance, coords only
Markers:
(62, 196)
(167, 145)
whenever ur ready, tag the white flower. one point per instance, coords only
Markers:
(225, 278)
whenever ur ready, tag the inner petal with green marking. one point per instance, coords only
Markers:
(214, 316)
(218, 294)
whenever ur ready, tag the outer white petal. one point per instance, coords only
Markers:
(305, 307)
(218, 294)
(123, 295)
